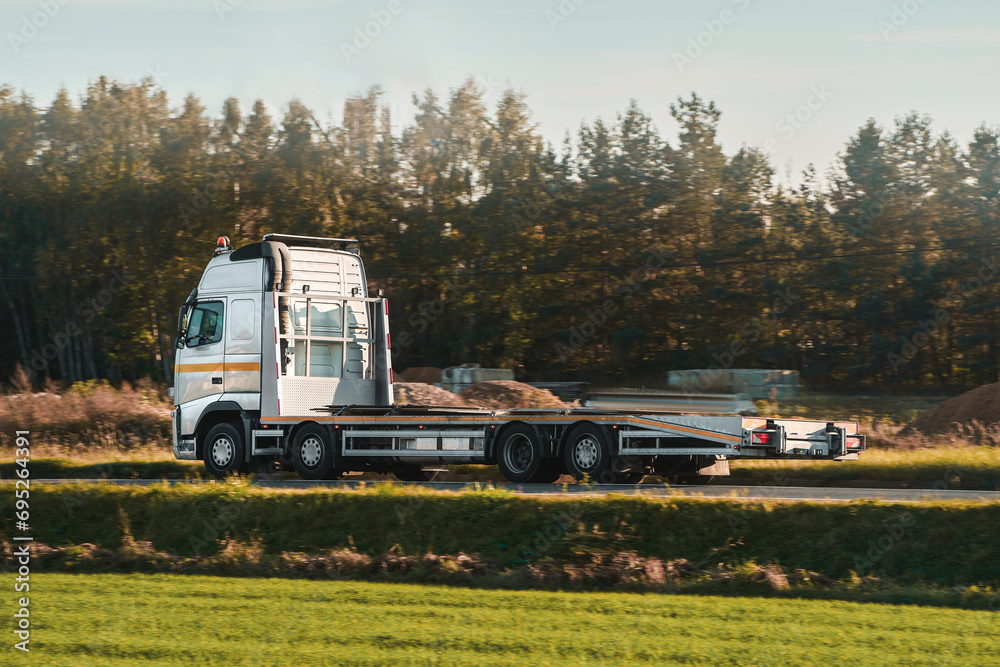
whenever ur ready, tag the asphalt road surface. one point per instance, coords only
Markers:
(711, 491)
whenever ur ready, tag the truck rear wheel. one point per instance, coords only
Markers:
(312, 453)
(223, 450)
(588, 455)
(519, 454)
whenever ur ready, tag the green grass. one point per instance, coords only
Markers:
(174, 620)
(941, 543)
(975, 468)
(112, 468)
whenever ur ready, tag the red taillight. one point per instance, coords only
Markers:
(855, 442)
(760, 438)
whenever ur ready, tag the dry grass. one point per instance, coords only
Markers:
(88, 416)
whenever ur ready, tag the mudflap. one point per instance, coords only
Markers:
(688, 466)
(718, 467)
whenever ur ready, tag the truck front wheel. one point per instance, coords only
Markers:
(223, 450)
(312, 454)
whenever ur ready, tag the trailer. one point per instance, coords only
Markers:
(284, 361)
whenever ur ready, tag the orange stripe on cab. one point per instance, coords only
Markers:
(199, 368)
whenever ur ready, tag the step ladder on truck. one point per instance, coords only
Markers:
(283, 361)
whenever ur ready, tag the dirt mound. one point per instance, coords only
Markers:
(417, 393)
(495, 394)
(981, 405)
(507, 394)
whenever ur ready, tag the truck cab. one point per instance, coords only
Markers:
(280, 327)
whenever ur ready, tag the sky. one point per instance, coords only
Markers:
(797, 78)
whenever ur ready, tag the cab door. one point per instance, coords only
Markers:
(243, 340)
(199, 365)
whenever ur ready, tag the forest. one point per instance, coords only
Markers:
(614, 257)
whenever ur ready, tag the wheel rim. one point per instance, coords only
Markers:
(586, 452)
(222, 452)
(518, 453)
(311, 452)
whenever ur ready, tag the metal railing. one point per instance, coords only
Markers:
(309, 299)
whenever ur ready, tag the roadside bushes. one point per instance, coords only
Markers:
(940, 543)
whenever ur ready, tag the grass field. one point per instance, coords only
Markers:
(173, 620)
(958, 467)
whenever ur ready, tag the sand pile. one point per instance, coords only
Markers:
(980, 405)
(417, 393)
(495, 395)
(507, 394)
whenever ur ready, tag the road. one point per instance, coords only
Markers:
(713, 491)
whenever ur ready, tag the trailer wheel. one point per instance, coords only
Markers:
(223, 450)
(588, 455)
(312, 454)
(519, 454)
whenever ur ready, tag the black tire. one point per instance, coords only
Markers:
(223, 450)
(413, 474)
(549, 471)
(312, 453)
(519, 455)
(587, 455)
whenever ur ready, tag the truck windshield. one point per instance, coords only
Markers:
(205, 324)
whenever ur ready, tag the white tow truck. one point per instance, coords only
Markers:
(284, 361)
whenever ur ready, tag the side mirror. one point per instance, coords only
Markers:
(182, 326)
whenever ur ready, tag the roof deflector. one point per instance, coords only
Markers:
(350, 245)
